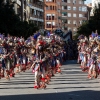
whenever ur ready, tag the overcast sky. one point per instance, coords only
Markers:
(88, 1)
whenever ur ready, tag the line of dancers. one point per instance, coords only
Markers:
(89, 54)
(43, 54)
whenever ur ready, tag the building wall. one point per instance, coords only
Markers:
(36, 12)
(94, 3)
(30, 10)
(74, 12)
(52, 14)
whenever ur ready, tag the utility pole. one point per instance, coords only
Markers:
(22, 9)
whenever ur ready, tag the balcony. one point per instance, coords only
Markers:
(41, 0)
(38, 5)
(33, 6)
(36, 18)
(18, 2)
(63, 3)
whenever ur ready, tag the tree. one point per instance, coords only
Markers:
(10, 22)
(91, 25)
(8, 18)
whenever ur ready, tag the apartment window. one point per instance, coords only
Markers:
(64, 1)
(62, 7)
(69, 21)
(69, 14)
(74, 15)
(80, 15)
(74, 1)
(64, 20)
(53, 8)
(47, 8)
(48, 25)
(74, 29)
(74, 22)
(53, 23)
(48, 17)
(65, 7)
(80, 2)
(53, 16)
(35, 12)
(74, 8)
(50, 7)
(80, 22)
(69, 28)
(80, 8)
(68, 1)
(84, 8)
(64, 13)
(69, 7)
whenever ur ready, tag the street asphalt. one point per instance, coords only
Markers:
(72, 84)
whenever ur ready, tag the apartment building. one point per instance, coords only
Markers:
(94, 3)
(74, 12)
(36, 12)
(89, 9)
(30, 10)
(52, 15)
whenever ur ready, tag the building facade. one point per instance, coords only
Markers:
(64, 14)
(30, 10)
(94, 3)
(52, 15)
(36, 12)
(74, 12)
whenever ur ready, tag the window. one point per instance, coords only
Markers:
(69, 7)
(74, 22)
(64, 20)
(68, 1)
(53, 16)
(80, 2)
(74, 29)
(47, 8)
(69, 14)
(80, 8)
(80, 22)
(64, 13)
(74, 1)
(69, 28)
(64, 7)
(74, 15)
(48, 16)
(53, 24)
(48, 25)
(69, 21)
(74, 8)
(64, 1)
(84, 8)
(80, 15)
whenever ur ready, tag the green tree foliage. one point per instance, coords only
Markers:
(91, 25)
(10, 22)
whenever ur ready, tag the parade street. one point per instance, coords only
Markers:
(72, 84)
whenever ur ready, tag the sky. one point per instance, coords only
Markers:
(88, 1)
